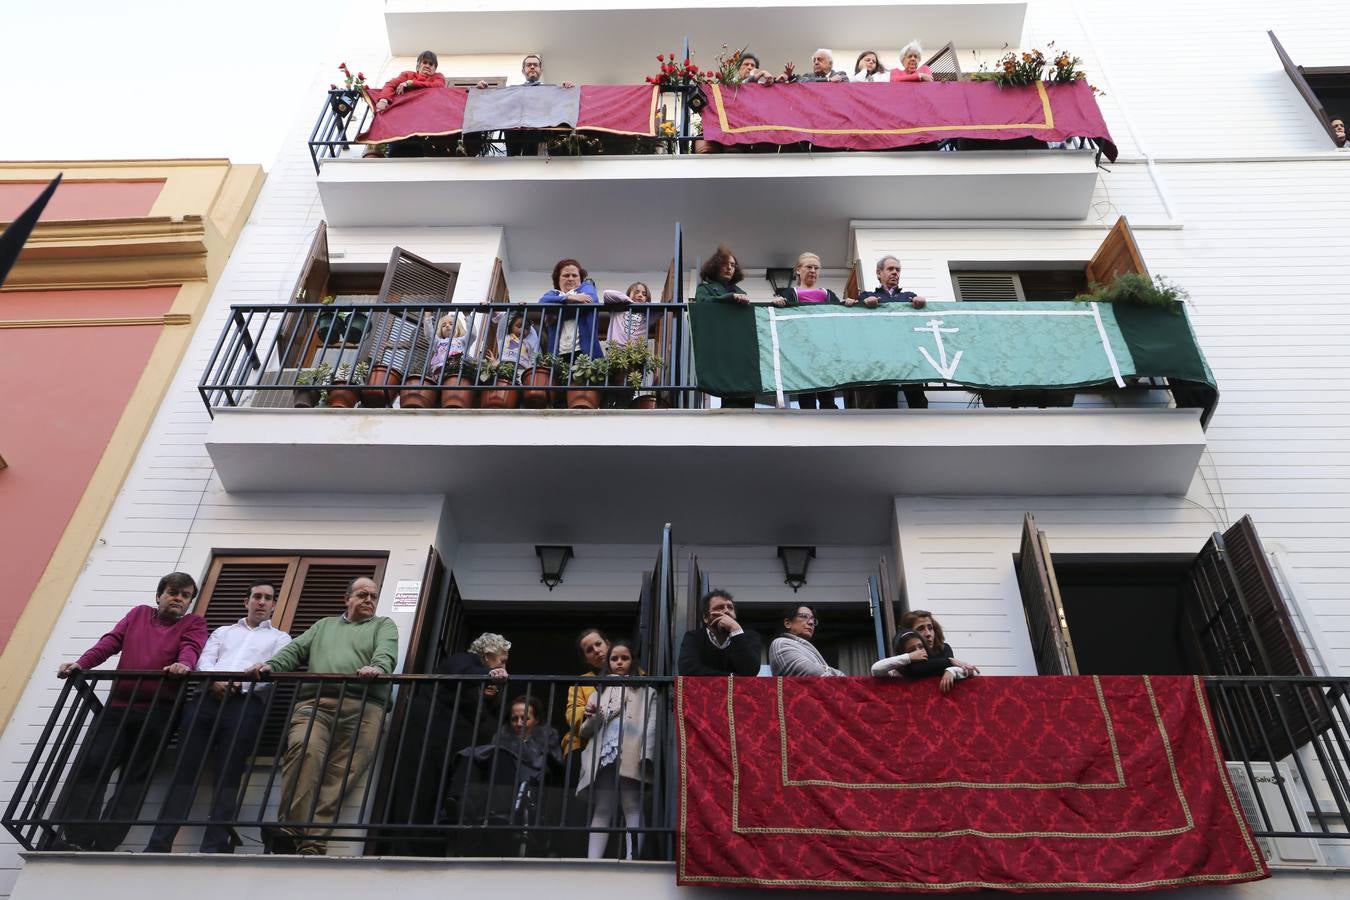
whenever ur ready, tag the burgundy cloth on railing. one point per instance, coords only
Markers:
(615, 109)
(885, 116)
(1018, 783)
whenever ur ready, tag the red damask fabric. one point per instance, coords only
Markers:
(1019, 784)
(885, 116)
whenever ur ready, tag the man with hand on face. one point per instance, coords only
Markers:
(130, 731)
(720, 646)
(239, 711)
(334, 731)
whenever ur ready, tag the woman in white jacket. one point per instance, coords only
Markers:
(620, 729)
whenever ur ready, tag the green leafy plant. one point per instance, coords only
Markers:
(1132, 287)
(633, 361)
(554, 365)
(458, 364)
(490, 370)
(322, 374)
(587, 371)
(348, 374)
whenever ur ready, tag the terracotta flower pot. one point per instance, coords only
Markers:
(643, 401)
(342, 396)
(506, 398)
(461, 397)
(372, 396)
(536, 395)
(583, 398)
(419, 399)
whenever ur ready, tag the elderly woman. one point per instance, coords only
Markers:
(910, 70)
(807, 292)
(574, 329)
(423, 76)
(869, 67)
(444, 717)
(792, 652)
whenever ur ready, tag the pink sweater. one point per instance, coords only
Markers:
(147, 642)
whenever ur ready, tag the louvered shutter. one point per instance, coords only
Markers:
(227, 582)
(313, 278)
(1305, 90)
(497, 292)
(697, 588)
(1239, 625)
(398, 339)
(992, 286)
(421, 645)
(668, 288)
(1117, 255)
(1046, 624)
(944, 64)
(851, 289)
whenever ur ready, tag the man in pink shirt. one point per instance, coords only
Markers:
(130, 730)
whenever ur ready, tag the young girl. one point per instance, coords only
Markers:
(451, 334)
(628, 326)
(620, 728)
(520, 346)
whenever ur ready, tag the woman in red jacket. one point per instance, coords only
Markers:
(424, 76)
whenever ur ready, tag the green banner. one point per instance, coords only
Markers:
(751, 350)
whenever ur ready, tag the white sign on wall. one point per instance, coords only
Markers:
(405, 596)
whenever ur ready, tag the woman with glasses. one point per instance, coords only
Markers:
(792, 652)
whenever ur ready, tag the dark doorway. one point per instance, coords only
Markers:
(543, 639)
(1125, 612)
(844, 636)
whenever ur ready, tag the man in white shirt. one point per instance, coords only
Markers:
(222, 726)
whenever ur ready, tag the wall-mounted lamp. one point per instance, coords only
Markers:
(552, 561)
(795, 560)
(779, 278)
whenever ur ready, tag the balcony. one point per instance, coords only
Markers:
(414, 428)
(983, 152)
(447, 776)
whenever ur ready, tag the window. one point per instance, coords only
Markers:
(1117, 254)
(308, 588)
(1326, 89)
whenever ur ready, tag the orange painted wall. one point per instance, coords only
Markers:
(62, 392)
(82, 199)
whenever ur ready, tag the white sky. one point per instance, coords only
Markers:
(158, 78)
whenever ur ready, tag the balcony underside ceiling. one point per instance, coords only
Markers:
(615, 213)
(606, 41)
(726, 475)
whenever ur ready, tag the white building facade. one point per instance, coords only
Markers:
(1232, 189)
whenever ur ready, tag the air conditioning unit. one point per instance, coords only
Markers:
(987, 286)
(275, 399)
(1261, 781)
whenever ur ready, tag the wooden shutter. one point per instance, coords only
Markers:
(697, 588)
(399, 340)
(851, 289)
(453, 626)
(1049, 630)
(889, 620)
(1301, 84)
(944, 64)
(497, 292)
(1118, 254)
(1237, 623)
(668, 289)
(313, 280)
(420, 644)
(322, 589)
(223, 594)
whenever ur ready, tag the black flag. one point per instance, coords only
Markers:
(12, 241)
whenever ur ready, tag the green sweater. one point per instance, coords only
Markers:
(336, 645)
(716, 291)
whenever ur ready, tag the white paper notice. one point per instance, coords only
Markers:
(405, 596)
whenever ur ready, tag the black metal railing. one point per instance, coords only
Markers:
(452, 355)
(344, 115)
(449, 766)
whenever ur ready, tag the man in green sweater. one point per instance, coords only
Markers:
(335, 730)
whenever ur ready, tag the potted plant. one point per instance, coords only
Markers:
(503, 375)
(310, 386)
(1137, 289)
(422, 397)
(374, 396)
(586, 374)
(457, 383)
(538, 380)
(338, 326)
(342, 394)
(631, 363)
(343, 99)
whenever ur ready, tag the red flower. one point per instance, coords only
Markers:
(342, 66)
(686, 60)
(361, 76)
(660, 57)
(332, 87)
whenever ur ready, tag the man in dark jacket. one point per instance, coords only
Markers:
(719, 646)
(888, 291)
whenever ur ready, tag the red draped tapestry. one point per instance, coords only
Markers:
(885, 116)
(611, 108)
(1019, 784)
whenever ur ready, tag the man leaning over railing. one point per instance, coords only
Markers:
(335, 729)
(130, 731)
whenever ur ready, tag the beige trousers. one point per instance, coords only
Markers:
(318, 774)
